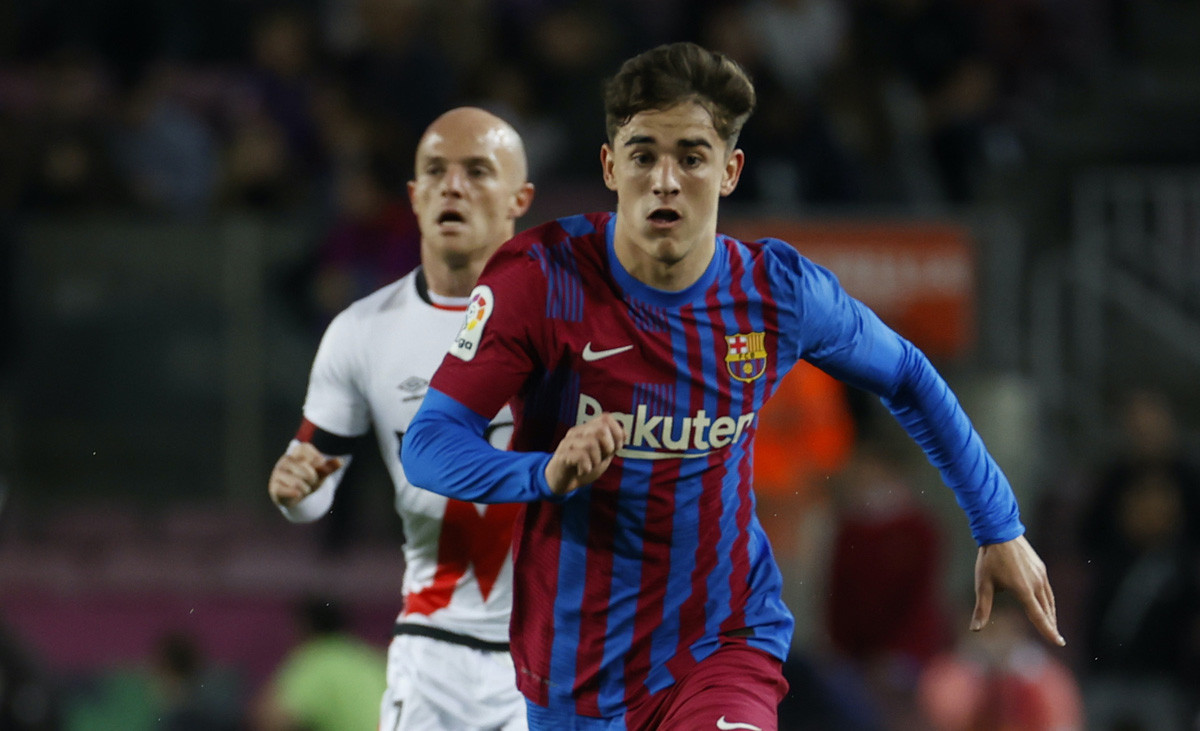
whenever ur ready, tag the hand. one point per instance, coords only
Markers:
(584, 453)
(299, 472)
(1015, 566)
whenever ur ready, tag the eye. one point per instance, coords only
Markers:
(642, 157)
(435, 170)
(478, 171)
(692, 160)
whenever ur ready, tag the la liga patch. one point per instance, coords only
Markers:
(479, 309)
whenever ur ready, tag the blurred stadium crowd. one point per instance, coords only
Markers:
(184, 108)
(184, 111)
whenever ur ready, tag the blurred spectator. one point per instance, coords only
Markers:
(503, 90)
(799, 41)
(1140, 538)
(61, 156)
(166, 152)
(396, 70)
(330, 681)
(176, 691)
(275, 152)
(374, 240)
(884, 609)
(193, 697)
(28, 700)
(938, 86)
(284, 77)
(798, 154)
(1149, 441)
(572, 50)
(1000, 679)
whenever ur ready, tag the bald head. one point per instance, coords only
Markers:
(488, 131)
(468, 191)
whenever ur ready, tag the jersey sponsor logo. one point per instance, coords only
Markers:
(746, 355)
(731, 725)
(480, 308)
(667, 437)
(590, 355)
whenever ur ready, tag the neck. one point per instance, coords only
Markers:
(664, 271)
(452, 276)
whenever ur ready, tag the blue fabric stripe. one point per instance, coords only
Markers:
(564, 290)
(576, 226)
(569, 405)
(626, 581)
(665, 639)
(547, 719)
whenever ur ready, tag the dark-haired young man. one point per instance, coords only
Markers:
(636, 349)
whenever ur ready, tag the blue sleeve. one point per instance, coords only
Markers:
(444, 451)
(851, 343)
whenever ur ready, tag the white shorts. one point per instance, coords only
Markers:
(440, 686)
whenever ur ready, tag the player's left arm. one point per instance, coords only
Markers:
(854, 345)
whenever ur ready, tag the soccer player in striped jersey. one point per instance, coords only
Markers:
(636, 349)
(448, 664)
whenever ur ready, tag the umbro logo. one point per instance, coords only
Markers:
(730, 725)
(414, 386)
(590, 355)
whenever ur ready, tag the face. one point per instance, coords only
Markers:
(669, 169)
(469, 187)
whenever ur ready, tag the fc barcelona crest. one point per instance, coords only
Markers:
(746, 357)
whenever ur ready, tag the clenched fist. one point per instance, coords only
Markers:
(584, 453)
(299, 472)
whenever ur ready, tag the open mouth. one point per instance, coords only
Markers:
(451, 217)
(664, 215)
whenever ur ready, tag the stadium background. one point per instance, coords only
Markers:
(189, 190)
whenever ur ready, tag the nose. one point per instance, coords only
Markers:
(666, 177)
(454, 181)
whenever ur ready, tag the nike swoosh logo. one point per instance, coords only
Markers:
(728, 726)
(590, 355)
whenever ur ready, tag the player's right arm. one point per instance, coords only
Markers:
(445, 452)
(298, 474)
(305, 478)
(499, 347)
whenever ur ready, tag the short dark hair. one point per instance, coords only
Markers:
(670, 74)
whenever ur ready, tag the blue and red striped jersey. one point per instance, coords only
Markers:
(624, 585)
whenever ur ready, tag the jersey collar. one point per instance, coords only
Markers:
(660, 297)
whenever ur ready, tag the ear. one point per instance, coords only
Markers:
(412, 194)
(521, 201)
(733, 171)
(607, 158)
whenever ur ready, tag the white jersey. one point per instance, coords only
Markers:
(373, 367)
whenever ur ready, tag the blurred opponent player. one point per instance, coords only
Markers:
(448, 664)
(636, 350)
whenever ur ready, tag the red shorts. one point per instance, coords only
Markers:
(737, 688)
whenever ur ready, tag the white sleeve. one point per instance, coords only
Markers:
(335, 403)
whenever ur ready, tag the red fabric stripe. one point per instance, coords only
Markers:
(770, 315)
(532, 621)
